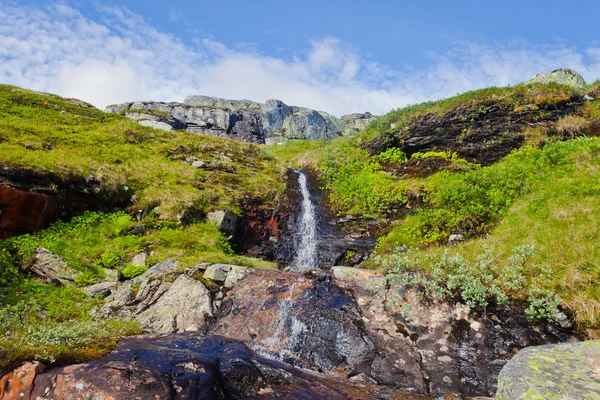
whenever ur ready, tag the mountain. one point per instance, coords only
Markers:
(244, 120)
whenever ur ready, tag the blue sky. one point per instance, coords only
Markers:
(336, 56)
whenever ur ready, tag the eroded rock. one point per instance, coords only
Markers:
(50, 268)
(17, 384)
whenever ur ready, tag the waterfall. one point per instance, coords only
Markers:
(306, 247)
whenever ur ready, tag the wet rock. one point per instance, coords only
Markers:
(303, 319)
(564, 76)
(565, 371)
(189, 366)
(102, 289)
(17, 384)
(226, 221)
(50, 268)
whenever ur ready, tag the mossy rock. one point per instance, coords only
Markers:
(563, 76)
(564, 371)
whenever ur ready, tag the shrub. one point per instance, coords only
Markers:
(130, 271)
(570, 126)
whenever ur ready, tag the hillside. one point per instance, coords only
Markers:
(484, 207)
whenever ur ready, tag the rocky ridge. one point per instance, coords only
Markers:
(244, 120)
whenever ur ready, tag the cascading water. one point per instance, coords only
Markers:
(306, 245)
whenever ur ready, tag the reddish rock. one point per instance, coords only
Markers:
(187, 366)
(17, 385)
(23, 211)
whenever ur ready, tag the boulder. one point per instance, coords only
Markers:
(102, 289)
(218, 272)
(186, 366)
(235, 274)
(311, 125)
(162, 270)
(18, 384)
(564, 76)
(140, 259)
(355, 123)
(563, 371)
(226, 221)
(50, 268)
(185, 306)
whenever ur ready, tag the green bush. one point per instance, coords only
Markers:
(130, 271)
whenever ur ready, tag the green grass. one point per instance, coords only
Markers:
(52, 324)
(48, 134)
(546, 198)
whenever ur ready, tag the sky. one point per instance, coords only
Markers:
(336, 56)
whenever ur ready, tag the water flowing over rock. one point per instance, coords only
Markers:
(186, 366)
(245, 120)
(306, 233)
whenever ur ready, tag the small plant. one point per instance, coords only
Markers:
(130, 271)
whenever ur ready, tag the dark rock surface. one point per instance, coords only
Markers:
(186, 366)
(483, 133)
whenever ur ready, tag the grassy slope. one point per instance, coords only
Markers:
(545, 195)
(49, 134)
(69, 139)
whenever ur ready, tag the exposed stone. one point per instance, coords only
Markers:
(235, 274)
(196, 269)
(218, 272)
(564, 76)
(226, 221)
(102, 289)
(552, 372)
(456, 238)
(17, 384)
(162, 270)
(185, 366)
(140, 259)
(244, 120)
(50, 268)
(185, 306)
(23, 211)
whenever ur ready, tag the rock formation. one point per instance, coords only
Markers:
(244, 120)
(564, 76)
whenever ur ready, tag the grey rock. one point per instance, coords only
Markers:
(226, 221)
(216, 102)
(564, 371)
(235, 275)
(167, 268)
(456, 238)
(272, 122)
(310, 125)
(274, 113)
(102, 289)
(110, 275)
(50, 268)
(140, 259)
(218, 272)
(355, 123)
(196, 269)
(184, 306)
(564, 76)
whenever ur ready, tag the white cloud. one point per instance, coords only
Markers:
(121, 57)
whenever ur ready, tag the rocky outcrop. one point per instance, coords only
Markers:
(553, 372)
(563, 76)
(244, 120)
(188, 366)
(50, 268)
(162, 300)
(356, 325)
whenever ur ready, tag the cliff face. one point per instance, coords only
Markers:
(243, 120)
